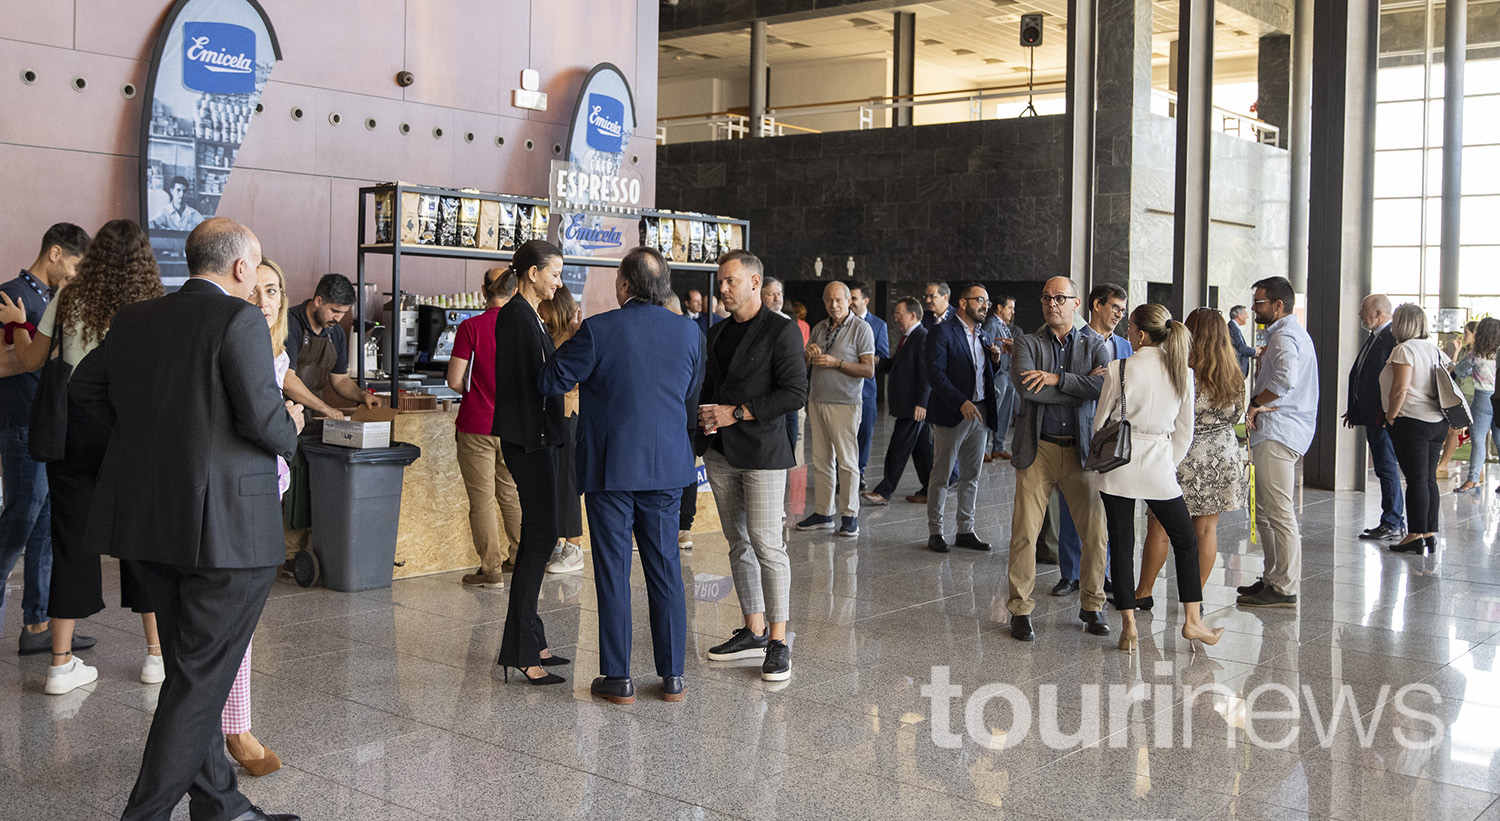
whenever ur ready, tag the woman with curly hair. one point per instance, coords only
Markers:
(117, 269)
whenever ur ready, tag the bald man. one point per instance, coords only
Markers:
(840, 355)
(1365, 410)
(1054, 371)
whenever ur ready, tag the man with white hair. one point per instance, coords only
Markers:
(1364, 410)
(840, 355)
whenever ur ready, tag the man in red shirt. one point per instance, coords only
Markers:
(471, 372)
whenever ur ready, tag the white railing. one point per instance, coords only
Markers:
(1230, 122)
(728, 126)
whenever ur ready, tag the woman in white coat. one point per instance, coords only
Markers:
(1159, 405)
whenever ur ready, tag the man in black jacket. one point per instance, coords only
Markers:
(907, 392)
(1242, 352)
(754, 377)
(1365, 410)
(188, 489)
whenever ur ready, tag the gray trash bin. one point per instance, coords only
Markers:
(356, 508)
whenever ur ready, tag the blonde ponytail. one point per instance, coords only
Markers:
(1173, 337)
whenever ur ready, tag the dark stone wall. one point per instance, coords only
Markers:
(959, 201)
(1274, 75)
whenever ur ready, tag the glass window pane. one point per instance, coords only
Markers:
(1481, 120)
(1395, 271)
(1435, 122)
(1432, 258)
(1399, 173)
(1435, 172)
(1434, 222)
(1399, 125)
(1398, 222)
(1478, 217)
(1482, 76)
(1476, 270)
(1403, 83)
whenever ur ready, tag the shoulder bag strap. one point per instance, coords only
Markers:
(1122, 389)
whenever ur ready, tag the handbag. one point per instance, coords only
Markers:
(1110, 447)
(1451, 399)
(49, 409)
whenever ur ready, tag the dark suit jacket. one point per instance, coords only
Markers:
(1077, 389)
(523, 415)
(1365, 407)
(950, 372)
(187, 384)
(930, 319)
(638, 370)
(767, 374)
(906, 386)
(702, 320)
(1242, 351)
(882, 352)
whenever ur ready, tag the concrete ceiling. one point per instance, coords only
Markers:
(975, 38)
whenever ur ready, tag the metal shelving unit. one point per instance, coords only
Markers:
(397, 249)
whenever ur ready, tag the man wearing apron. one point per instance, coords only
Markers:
(319, 350)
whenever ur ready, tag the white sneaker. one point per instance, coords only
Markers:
(154, 671)
(685, 540)
(568, 560)
(65, 678)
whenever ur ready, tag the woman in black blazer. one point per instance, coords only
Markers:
(531, 431)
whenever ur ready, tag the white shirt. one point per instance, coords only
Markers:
(1422, 395)
(976, 351)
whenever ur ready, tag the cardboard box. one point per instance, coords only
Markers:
(352, 434)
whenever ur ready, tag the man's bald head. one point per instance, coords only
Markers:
(836, 288)
(1374, 311)
(836, 300)
(226, 252)
(1060, 283)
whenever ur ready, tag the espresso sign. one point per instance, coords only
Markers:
(211, 63)
(596, 185)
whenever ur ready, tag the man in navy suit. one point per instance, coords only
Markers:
(911, 437)
(694, 308)
(1244, 353)
(859, 304)
(935, 302)
(639, 370)
(1365, 410)
(961, 361)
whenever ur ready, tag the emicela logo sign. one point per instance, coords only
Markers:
(218, 58)
(606, 131)
(591, 237)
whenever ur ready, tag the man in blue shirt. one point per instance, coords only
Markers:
(859, 304)
(1283, 411)
(1106, 310)
(26, 518)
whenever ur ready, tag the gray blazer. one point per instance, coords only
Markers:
(1033, 352)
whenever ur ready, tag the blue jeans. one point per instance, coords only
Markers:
(25, 524)
(1383, 454)
(1479, 432)
(866, 433)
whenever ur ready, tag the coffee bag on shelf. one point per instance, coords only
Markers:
(468, 222)
(664, 236)
(411, 214)
(427, 219)
(507, 228)
(489, 225)
(447, 230)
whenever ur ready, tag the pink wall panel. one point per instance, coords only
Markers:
(28, 21)
(569, 37)
(289, 213)
(96, 119)
(347, 45)
(461, 54)
(119, 29)
(275, 141)
(384, 154)
(35, 204)
(647, 39)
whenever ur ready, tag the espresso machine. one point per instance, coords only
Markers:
(436, 330)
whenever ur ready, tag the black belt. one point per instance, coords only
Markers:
(1060, 441)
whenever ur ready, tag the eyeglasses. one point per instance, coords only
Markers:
(1057, 299)
(981, 300)
(1259, 301)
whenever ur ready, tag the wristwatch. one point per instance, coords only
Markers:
(739, 413)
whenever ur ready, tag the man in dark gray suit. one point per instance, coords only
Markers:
(188, 490)
(1058, 372)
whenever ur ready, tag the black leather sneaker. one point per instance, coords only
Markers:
(743, 644)
(778, 666)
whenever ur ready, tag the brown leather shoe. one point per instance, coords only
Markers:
(1004, 454)
(917, 498)
(265, 765)
(989, 457)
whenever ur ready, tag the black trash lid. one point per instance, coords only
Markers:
(398, 453)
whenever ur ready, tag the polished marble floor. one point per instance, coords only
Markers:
(387, 704)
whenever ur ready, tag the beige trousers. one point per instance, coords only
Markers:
(1055, 467)
(488, 481)
(833, 437)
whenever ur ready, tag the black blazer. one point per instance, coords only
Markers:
(950, 372)
(1365, 407)
(907, 388)
(1243, 352)
(523, 416)
(188, 386)
(766, 373)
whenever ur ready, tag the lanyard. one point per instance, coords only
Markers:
(36, 286)
(832, 335)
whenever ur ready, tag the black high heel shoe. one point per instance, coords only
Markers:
(549, 678)
(1144, 602)
(1426, 544)
(555, 661)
